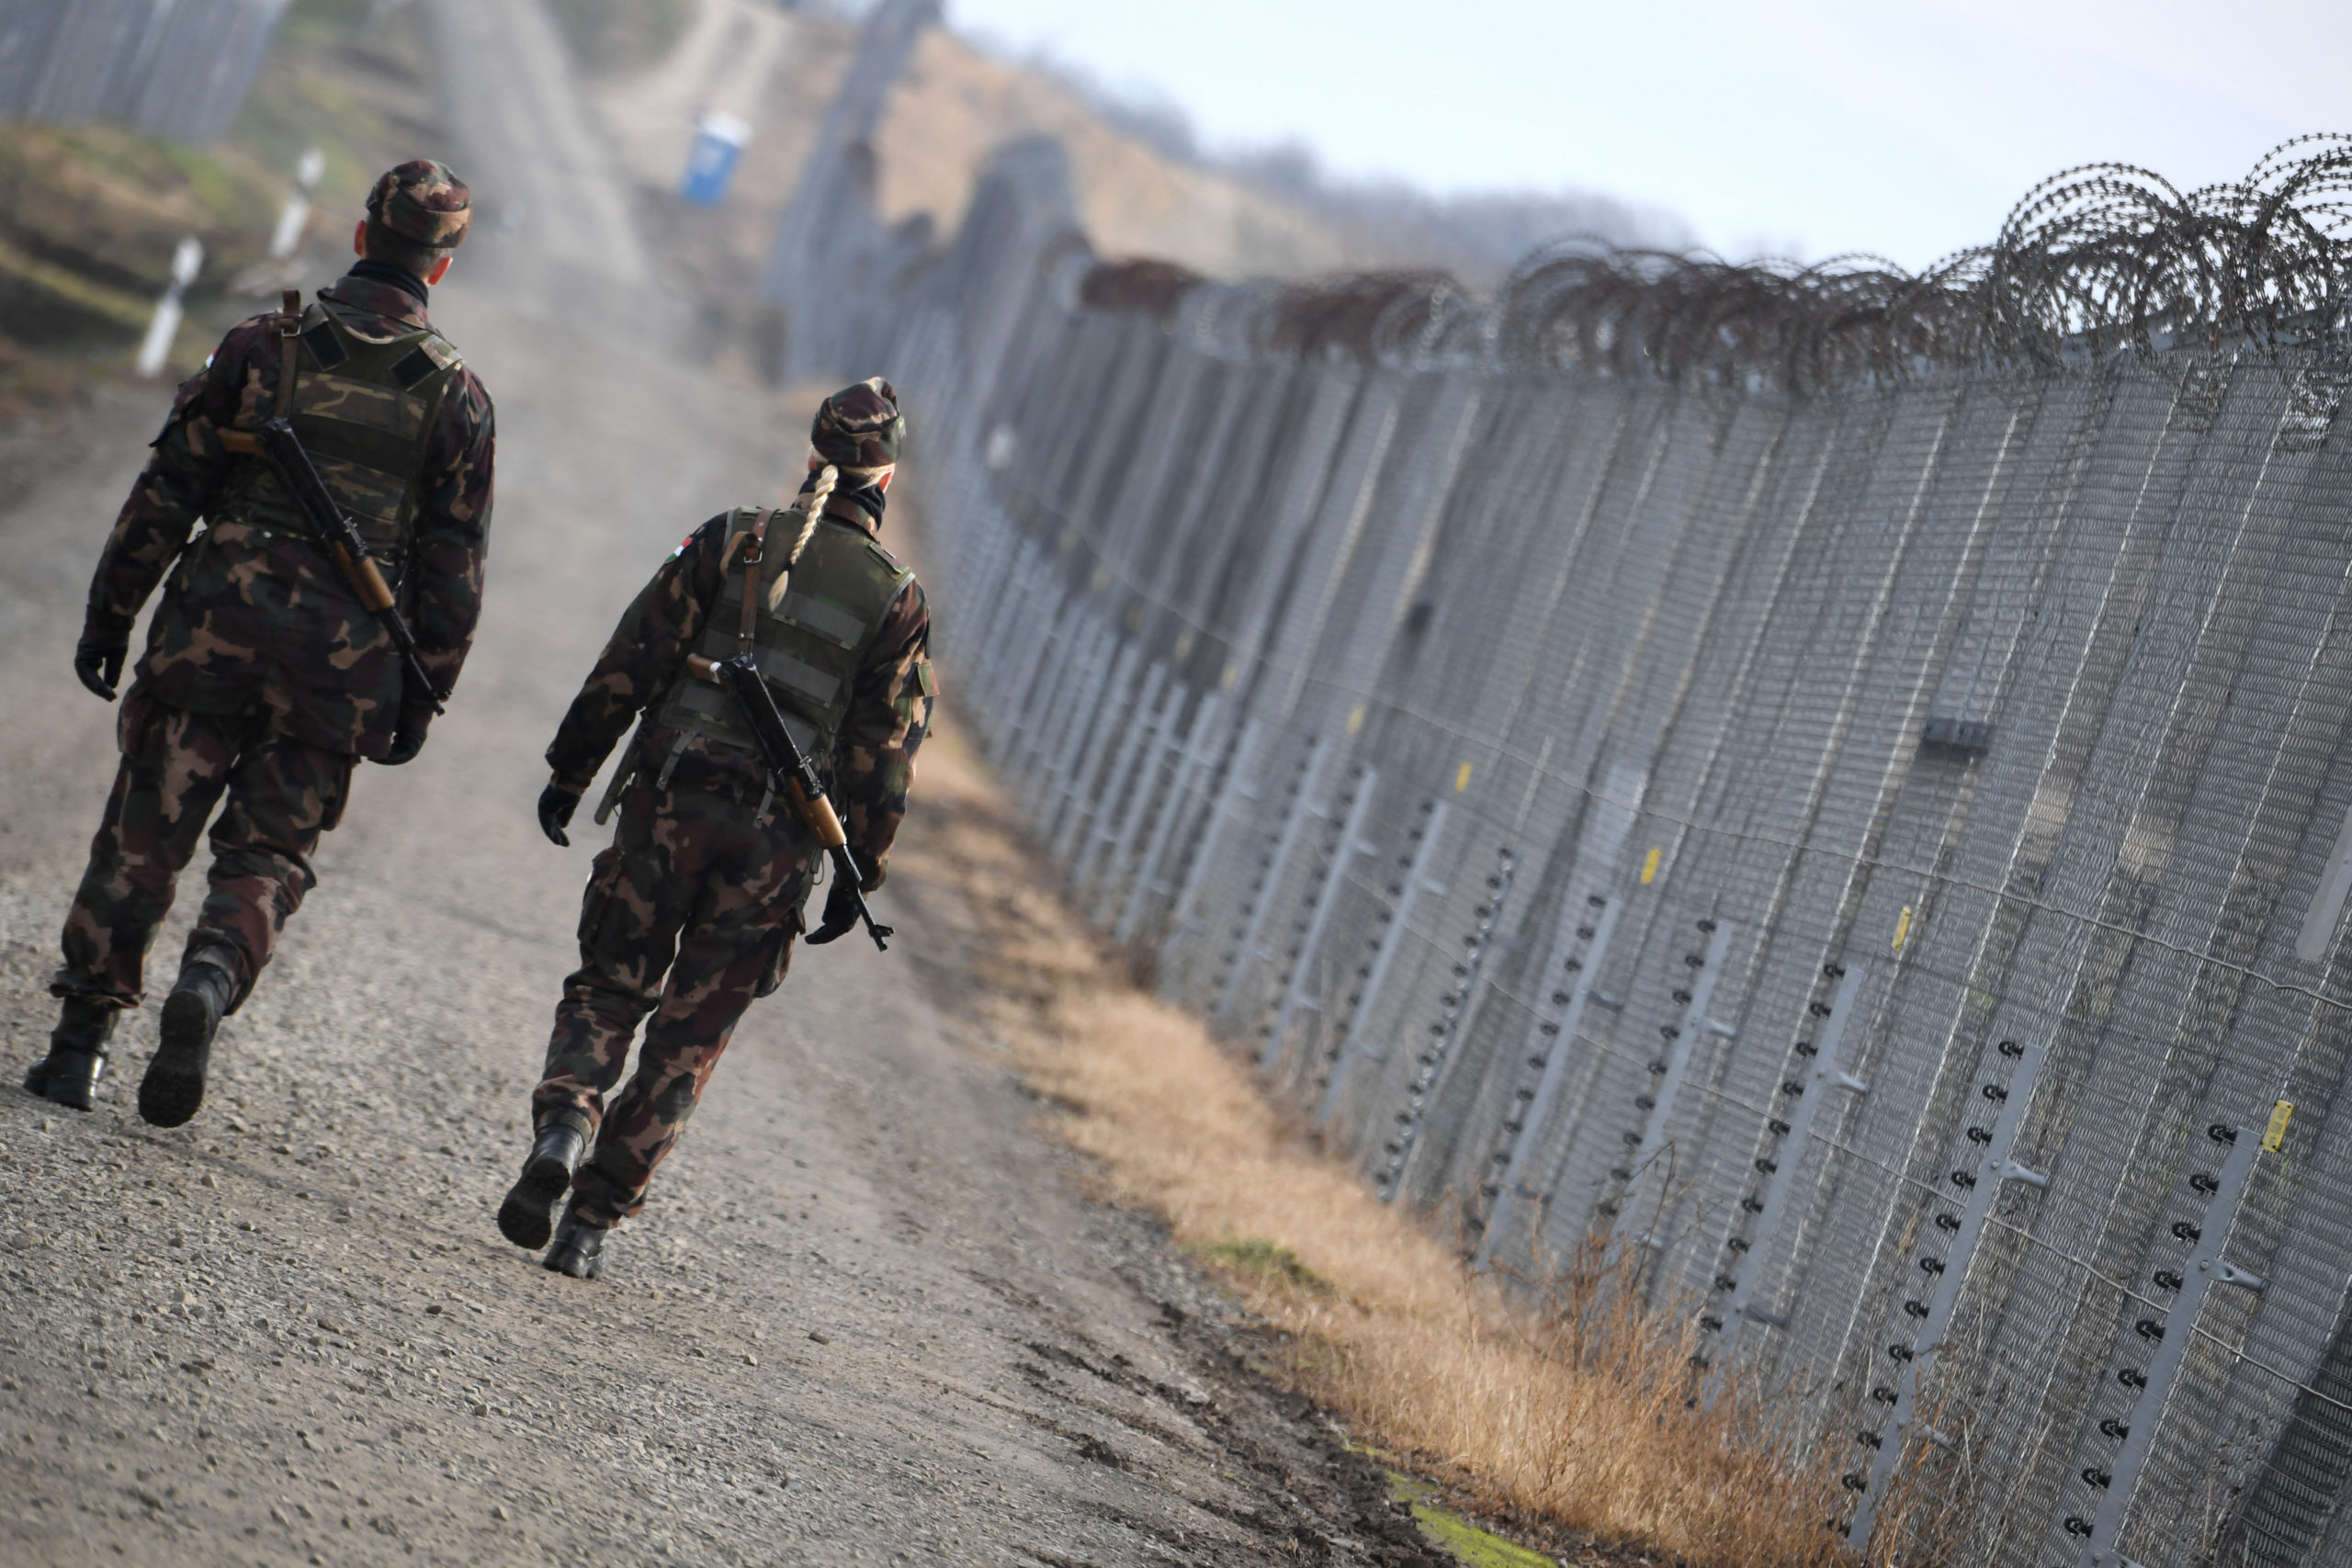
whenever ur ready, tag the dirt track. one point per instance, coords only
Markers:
(869, 1316)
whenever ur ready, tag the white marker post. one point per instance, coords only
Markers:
(167, 325)
(295, 216)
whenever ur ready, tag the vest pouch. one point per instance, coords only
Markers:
(834, 623)
(722, 720)
(366, 441)
(800, 683)
(811, 645)
(372, 499)
(363, 408)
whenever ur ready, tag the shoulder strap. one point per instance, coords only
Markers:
(290, 329)
(753, 549)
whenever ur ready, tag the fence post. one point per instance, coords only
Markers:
(295, 216)
(1982, 1184)
(1121, 798)
(1237, 786)
(2203, 1269)
(1325, 899)
(1303, 811)
(1448, 1028)
(164, 325)
(1041, 681)
(1681, 1039)
(1082, 753)
(1780, 1174)
(1086, 654)
(1383, 955)
(1560, 1036)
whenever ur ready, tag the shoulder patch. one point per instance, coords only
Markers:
(412, 368)
(324, 346)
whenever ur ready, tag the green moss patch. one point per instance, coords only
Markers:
(1256, 1257)
(1457, 1537)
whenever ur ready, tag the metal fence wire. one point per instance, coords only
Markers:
(1826, 780)
(179, 68)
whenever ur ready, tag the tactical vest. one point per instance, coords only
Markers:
(810, 646)
(364, 407)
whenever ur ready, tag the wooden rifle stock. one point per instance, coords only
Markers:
(367, 580)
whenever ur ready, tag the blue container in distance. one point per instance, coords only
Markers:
(719, 140)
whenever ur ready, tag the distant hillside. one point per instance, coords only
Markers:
(1390, 223)
(954, 107)
(1143, 186)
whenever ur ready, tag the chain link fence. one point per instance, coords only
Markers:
(1826, 782)
(179, 68)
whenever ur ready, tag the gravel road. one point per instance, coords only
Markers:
(870, 1315)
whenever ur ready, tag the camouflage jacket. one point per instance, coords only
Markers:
(873, 764)
(253, 622)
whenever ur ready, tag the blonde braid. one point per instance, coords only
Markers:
(827, 477)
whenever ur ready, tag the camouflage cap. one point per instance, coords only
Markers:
(423, 201)
(859, 428)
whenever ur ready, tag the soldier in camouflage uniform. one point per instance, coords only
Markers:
(691, 912)
(264, 678)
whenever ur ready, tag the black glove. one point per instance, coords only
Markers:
(97, 657)
(408, 736)
(841, 913)
(556, 807)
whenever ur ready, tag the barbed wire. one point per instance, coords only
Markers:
(2098, 260)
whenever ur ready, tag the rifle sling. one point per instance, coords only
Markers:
(289, 326)
(754, 550)
(243, 443)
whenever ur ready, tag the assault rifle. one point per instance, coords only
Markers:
(797, 777)
(339, 537)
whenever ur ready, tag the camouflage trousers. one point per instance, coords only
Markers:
(689, 916)
(177, 766)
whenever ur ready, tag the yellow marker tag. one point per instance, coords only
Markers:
(1902, 927)
(1355, 720)
(1462, 779)
(1231, 673)
(1650, 866)
(2277, 1134)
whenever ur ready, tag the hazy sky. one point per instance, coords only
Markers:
(1806, 128)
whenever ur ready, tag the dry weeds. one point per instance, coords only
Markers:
(1567, 1414)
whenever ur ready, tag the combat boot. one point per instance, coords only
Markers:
(77, 1054)
(579, 1248)
(173, 1087)
(528, 1215)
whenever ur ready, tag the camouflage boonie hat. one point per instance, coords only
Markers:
(423, 201)
(859, 428)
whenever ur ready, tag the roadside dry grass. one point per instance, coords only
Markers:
(1564, 1415)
